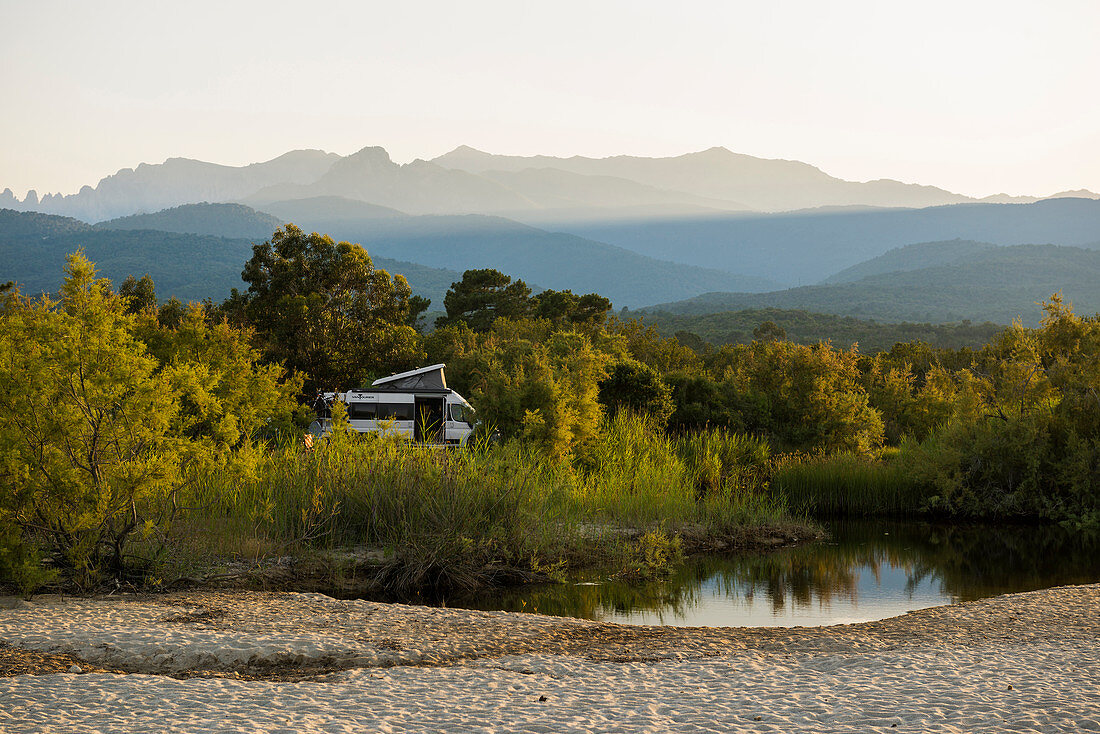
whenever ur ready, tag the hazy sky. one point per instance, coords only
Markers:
(976, 97)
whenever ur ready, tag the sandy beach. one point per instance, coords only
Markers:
(249, 661)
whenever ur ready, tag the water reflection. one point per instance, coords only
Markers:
(867, 570)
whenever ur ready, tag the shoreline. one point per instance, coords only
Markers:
(349, 572)
(1031, 658)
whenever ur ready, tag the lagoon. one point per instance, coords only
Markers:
(864, 571)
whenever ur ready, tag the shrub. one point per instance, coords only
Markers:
(637, 388)
(98, 437)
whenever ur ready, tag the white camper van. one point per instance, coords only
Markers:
(417, 404)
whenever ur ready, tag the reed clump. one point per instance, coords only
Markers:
(848, 484)
(441, 517)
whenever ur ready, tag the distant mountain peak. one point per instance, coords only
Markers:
(305, 153)
(371, 154)
(463, 156)
(466, 150)
(1075, 194)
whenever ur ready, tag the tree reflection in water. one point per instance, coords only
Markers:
(893, 559)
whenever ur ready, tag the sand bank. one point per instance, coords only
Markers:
(306, 662)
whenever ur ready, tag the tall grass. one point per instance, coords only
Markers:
(631, 474)
(457, 518)
(848, 484)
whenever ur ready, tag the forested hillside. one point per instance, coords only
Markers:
(188, 266)
(219, 220)
(17, 226)
(451, 243)
(553, 260)
(805, 327)
(996, 285)
(911, 257)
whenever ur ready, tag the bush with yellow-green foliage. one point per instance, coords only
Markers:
(915, 405)
(1014, 433)
(98, 435)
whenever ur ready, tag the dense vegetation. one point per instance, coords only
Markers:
(139, 439)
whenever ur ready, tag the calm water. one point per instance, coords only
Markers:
(865, 571)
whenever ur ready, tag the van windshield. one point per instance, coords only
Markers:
(463, 413)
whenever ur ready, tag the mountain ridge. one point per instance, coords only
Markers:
(151, 187)
(762, 184)
(910, 257)
(456, 182)
(233, 221)
(802, 247)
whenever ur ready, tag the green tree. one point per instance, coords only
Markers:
(171, 313)
(646, 345)
(805, 396)
(691, 340)
(1033, 450)
(107, 417)
(769, 331)
(418, 305)
(481, 297)
(564, 307)
(142, 294)
(323, 309)
(915, 405)
(700, 401)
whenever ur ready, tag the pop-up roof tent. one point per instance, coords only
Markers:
(425, 379)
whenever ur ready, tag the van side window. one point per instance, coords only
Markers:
(361, 411)
(395, 411)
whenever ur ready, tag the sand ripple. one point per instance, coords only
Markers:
(1023, 662)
